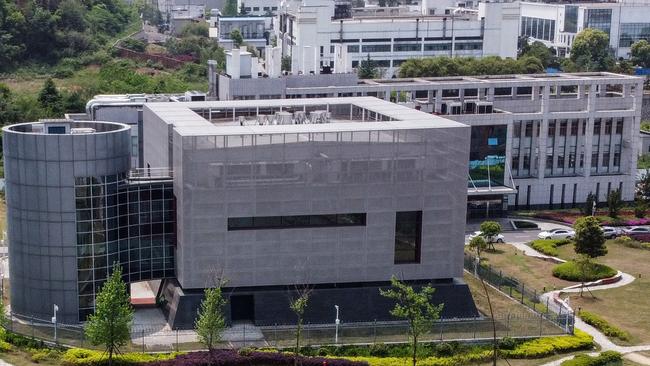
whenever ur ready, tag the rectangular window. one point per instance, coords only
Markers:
(408, 236)
(375, 48)
(406, 47)
(296, 221)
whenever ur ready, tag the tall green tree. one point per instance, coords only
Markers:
(50, 99)
(110, 325)
(589, 239)
(539, 51)
(230, 9)
(614, 202)
(415, 307)
(298, 304)
(367, 69)
(590, 51)
(8, 112)
(478, 245)
(210, 322)
(640, 53)
(490, 230)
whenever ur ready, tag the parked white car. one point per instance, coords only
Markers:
(638, 230)
(557, 234)
(611, 232)
(490, 239)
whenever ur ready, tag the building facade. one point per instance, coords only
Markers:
(311, 30)
(556, 24)
(337, 195)
(546, 140)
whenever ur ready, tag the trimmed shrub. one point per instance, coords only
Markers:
(233, 358)
(543, 347)
(86, 357)
(549, 247)
(570, 271)
(444, 349)
(603, 325)
(5, 347)
(45, 354)
(508, 343)
(607, 358)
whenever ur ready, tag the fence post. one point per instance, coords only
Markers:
(540, 324)
(441, 328)
(500, 277)
(11, 320)
(535, 299)
(176, 339)
(142, 340)
(522, 292)
(275, 334)
(374, 331)
(510, 287)
(32, 323)
(244, 335)
(547, 309)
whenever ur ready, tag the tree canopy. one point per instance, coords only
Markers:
(210, 322)
(44, 31)
(641, 53)
(458, 66)
(589, 238)
(590, 52)
(367, 69)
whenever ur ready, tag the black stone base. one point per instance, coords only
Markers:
(360, 302)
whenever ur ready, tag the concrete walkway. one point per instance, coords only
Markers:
(599, 338)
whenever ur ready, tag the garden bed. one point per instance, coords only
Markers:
(570, 271)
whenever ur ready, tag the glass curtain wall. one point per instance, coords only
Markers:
(487, 157)
(124, 223)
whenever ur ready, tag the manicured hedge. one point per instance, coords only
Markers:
(549, 247)
(253, 358)
(86, 357)
(607, 358)
(570, 271)
(603, 326)
(543, 347)
(535, 348)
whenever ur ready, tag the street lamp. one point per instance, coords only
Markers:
(56, 308)
(337, 321)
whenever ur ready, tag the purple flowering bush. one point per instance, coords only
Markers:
(233, 358)
(626, 218)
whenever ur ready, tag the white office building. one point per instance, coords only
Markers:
(317, 32)
(556, 24)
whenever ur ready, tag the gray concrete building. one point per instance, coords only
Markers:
(337, 194)
(538, 141)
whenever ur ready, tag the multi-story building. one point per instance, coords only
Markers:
(537, 140)
(556, 23)
(311, 30)
(338, 194)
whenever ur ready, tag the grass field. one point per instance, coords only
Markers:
(626, 307)
(534, 273)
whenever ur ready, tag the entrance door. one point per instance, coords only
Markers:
(242, 308)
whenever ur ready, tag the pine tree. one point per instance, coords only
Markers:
(110, 325)
(367, 69)
(414, 307)
(50, 99)
(210, 322)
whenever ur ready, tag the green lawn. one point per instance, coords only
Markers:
(534, 273)
(626, 307)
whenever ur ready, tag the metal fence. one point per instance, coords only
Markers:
(152, 339)
(526, 295)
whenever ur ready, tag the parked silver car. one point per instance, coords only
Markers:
(557, 234)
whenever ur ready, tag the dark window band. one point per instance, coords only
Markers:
(296, 221)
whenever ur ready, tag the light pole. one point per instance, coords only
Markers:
(593, 209)
(336, 322)
(56, 308)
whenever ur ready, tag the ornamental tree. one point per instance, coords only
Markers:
(589, 238)
(415, 307)
(210, 322)
(110, 325)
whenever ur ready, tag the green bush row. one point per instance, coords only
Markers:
(603, 325)
(536, 348)
(549, 247)
(86, 357)
(571, 271)
(607, 358)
